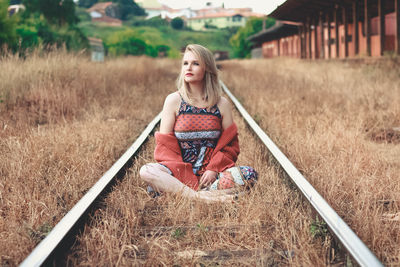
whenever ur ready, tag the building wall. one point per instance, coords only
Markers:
(285, 47)
(219, 22)
(290, 46)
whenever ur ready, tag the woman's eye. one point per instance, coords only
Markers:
(185, 63)
(195, 63)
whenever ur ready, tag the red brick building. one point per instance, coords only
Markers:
(308, 29)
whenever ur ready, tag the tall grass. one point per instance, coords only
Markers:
(64, 121)
(271, 223)
(325, 116)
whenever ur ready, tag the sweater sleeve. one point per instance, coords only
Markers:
(167, 152)
(226, 157)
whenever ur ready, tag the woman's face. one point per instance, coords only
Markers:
(192, 68)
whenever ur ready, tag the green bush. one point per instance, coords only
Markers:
(155, 22)
(28, 36)
(36, 32)
(177, 23)
(241, 47)
(129, 43)
(82, 14)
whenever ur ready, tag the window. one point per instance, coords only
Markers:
(237, 18)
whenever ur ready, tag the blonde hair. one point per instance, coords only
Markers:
(212, 87)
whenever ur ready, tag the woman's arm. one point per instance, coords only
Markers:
(226, 111)
(169, 112)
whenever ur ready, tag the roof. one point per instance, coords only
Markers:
(300, 10)
(100, 6)
(281, 29)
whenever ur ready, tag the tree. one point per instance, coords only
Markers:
(58, 12)
(128, 8)
(177, 23)
(7, 26)
(87, 3)
(242, 47)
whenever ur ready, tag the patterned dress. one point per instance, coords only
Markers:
(198, 131)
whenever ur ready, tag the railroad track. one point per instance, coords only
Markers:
(62, 235)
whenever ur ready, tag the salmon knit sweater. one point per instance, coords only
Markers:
(224, 156)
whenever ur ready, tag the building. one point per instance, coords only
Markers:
(12, 9)
(224, 19)
(332, 29)
(97, 49)
(154, 9)
(280, 39)
(98, 14)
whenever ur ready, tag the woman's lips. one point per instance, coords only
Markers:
(188, 74)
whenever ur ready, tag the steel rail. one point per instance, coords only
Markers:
(46, 247)
(353, 244)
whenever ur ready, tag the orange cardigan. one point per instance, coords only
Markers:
(168, 153)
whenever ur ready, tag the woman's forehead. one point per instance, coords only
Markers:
(189, 55)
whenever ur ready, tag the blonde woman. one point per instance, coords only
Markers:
(197, 145)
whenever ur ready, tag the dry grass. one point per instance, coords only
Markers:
(64, 121)
(325, 116)
(134, 229)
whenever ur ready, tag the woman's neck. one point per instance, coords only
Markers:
(196, 90)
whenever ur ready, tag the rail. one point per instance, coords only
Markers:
(353, 244)
(357, 249)
(46, 247)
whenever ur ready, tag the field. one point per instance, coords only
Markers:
(339, 124)
(65, 120)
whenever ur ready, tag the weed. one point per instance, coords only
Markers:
(178, 233)
(319, 228)
(257, 118)
(202, 228)
(40, 233)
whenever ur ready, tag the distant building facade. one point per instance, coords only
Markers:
(12, 9)
(97, 49)
(220, 18)
(154, 9)
(98, 14)
(331, 30)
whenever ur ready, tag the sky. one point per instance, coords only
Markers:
(258, 6)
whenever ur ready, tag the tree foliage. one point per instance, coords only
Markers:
(129, 42)
(241, 46)
(15, 2)
(127, 9)
(155, 22)
(87, 3)
(7, 26)
(56, 12)
(44, 23)
(177, 23)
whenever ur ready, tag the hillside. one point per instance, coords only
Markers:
(164, 35)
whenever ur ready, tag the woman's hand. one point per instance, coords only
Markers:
(208, 178)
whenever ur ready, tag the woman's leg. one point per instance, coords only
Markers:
(158, 177)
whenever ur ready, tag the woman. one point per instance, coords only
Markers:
(197, 145)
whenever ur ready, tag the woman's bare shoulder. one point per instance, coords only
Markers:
(173, 99)
(224, 104)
